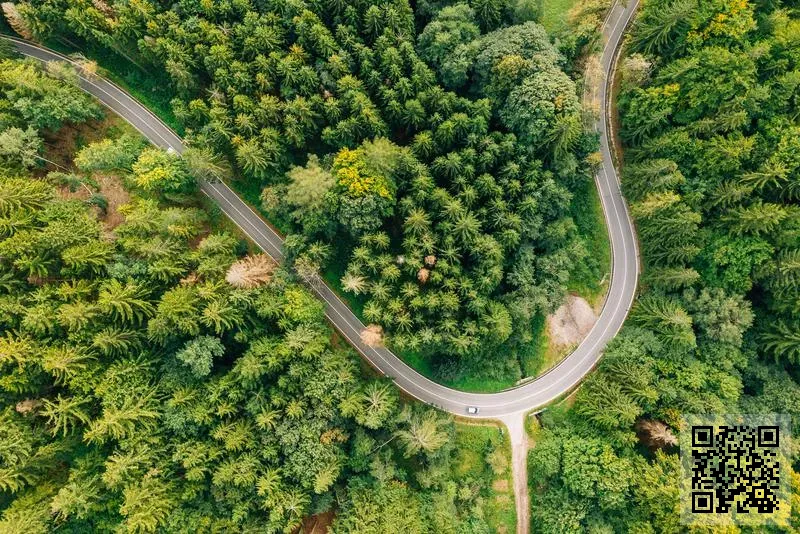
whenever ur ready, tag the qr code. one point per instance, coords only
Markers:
(734, 467)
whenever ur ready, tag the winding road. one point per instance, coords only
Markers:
(511, 405)
(532, 395)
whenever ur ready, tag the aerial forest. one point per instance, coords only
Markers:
(708, 107)
(158, 375)
(424, 160)
(429, 160)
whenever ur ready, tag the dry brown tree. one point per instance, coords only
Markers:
(251, 272)
(423, 274)
(656, 434)
(372, 336)
(15, 20)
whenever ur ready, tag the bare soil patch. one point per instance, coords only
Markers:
(111, 188)
(81, 193)
(61, 145)
(316, 524)
(571, 322)
(60, 149)
(116, 195)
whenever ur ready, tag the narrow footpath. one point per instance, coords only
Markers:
(509, 406)
(515, 423)
(599, 77)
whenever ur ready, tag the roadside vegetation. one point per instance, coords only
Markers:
(484, 454)
(590, 277)
(423, 161)
(553, 14)
(708, 106)
(156, 376)
(573, 25)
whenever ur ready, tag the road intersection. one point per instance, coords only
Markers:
(529, 396)
(509, 406)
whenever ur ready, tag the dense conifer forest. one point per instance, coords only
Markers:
(430, 160)
(709, 122)
(436, 152)
(155, 376)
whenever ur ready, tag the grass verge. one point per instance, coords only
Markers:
(425, 365)
(589, 278)
(534, 358)
(553, 14)
(483, 452)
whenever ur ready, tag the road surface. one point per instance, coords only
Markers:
(504, 405)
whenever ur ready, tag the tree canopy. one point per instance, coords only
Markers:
(155, 376)
(436, 149)
(708, 110)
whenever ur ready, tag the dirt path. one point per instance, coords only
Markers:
(515, 423)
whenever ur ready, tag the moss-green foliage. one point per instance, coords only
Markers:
(43, 102)
(33, 101)
(708, 113)
(150, 383)
(574, 23)
(482, 140)
(590, 276)
(553, 14)
(484, 460)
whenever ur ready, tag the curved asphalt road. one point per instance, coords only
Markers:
(529, 396)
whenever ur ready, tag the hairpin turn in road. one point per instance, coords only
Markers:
(524, 398)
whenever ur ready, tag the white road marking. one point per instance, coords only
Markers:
(133, 112)
(406, 378)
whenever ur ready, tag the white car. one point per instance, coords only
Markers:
(472, 410)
